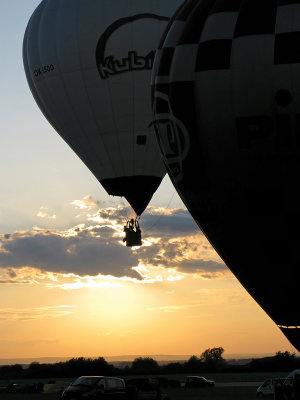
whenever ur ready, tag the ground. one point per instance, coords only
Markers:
(228, 387)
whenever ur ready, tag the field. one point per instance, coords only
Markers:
(228, 387)
(218, 393)
(228, 393)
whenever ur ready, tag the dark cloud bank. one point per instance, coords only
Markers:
(96, 248)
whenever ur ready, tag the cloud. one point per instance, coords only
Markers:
(116, 334)
(19, 276)
(43, 213)
(175, 308)
(71, 281)
(167, 309)
(173, 246)
(188, 254)
(82, 250)
(168, 223)
(28, 343)
(25, 314)
(85, 203)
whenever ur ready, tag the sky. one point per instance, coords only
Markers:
(68, 286)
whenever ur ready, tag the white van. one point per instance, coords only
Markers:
(293, 373)
(266, 388)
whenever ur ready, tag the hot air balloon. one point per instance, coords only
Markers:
(226, 98)
(88, 64)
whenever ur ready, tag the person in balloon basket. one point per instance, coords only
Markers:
(133, 235)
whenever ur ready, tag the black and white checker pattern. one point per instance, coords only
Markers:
(168, 42)
(229, 34)
(230, 65)
(258, 33)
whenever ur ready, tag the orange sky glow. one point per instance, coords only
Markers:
(68, 285)
(172, 296)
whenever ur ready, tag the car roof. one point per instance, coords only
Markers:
(296, 371)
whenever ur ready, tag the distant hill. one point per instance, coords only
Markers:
(121, 359)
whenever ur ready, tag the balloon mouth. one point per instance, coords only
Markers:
(137, 190)
(292, 333)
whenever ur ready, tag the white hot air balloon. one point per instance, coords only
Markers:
(88, 64)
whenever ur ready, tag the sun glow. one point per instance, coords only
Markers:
(119, 298)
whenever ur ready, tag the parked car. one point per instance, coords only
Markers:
(95, 387)
(25, 388)
(143, 389)
(198, 381)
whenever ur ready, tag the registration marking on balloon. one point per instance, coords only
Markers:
(174, 137)
(43, 70)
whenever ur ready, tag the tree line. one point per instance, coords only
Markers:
(211, 360)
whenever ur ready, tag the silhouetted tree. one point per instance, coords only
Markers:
(37, 370)
(212, 359)
(285, 355)
(171, 368)
(87, 366)
(194, 364)
(142, 365)
(101, 367)
(285, 360)
(282, 361)
(8, 371)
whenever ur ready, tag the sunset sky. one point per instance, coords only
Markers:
(68, 286)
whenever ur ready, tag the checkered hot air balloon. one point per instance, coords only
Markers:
(226, 99)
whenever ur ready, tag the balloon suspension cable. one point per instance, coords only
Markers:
(160, 216)
(125, 211)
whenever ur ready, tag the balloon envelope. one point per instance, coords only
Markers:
(88, 64)
(226, 97)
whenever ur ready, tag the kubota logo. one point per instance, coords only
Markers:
(109, 64)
